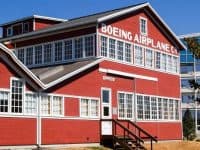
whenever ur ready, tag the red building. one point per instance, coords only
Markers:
(63, 81)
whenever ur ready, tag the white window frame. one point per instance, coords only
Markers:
(125, 103)
(109, 105)
(23, 95)
(146, 26)
(89, 107)
(9, 31)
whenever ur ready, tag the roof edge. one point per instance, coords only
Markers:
(32, 17)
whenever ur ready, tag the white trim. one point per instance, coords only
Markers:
(109, 105)
(146, 26)
(126, 74)
(23, 67)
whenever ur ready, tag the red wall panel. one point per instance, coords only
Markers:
(70, 131)
(72, 107)
(17, 131)
(131, 24)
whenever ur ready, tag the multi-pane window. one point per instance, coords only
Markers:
(47, 53)
(58, 51)
(158, 60)
(127, 52)
(146, 107)
(169, 63)
(29, 56)
(21, 55)
(165, 108)
(78, 45)
(68, 48)
(125, 105)
(38, 54)
(153, 108)
(57, 105)
(112, 48)
(89, 46)
(120, 53)
(171, 109)
(46, 105)
(4, 101)
(140, 107)
(138, 55)
(89, 108)
(149, 58)
(143, 26)
(106, 102)
(94, 108)
(17, 91)
(164, 62)
(175, 64)
(160, 108)
(30, 103)
(177, 110)
(104, 45)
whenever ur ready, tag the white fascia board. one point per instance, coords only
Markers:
(74, 73)
(134, 8)
(125, 74)
(23, 67)
(165, 24)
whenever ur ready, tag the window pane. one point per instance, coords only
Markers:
(30, 104)
(45, 105)
(94, 108)
(68, 50)
(153, 107)
(139, 106)
(158, 58)
(112, 48)
(128, 52)
(84, 107)
(57, 105)
(38, 54)
(104, 44)
(89, 46)
(47, 53)
(17, 91)
(120, 50)
(106, 96)
(146, 107)
(58, 51)
(78, 48)
(121, 105)
(4, 101)
(29, 56)
(20, 55)
(149, 58)
(138, 55)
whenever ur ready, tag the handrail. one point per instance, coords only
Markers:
(143, 131)
(122, 143)
(129, 131)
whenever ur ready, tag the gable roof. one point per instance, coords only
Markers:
(47, 81)
(97, 18)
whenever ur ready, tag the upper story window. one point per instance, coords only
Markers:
(139, 55)
(66, 50)
(26, 27)
(9, 31)
(143, 26)
(149, 58)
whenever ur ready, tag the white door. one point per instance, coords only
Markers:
(106, 105)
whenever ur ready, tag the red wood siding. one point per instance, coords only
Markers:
(72, 107)
(70, 131)
(17, 131)
(131, 23)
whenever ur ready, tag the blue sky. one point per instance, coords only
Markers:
(182, 16)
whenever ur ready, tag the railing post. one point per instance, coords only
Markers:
(151, 145)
